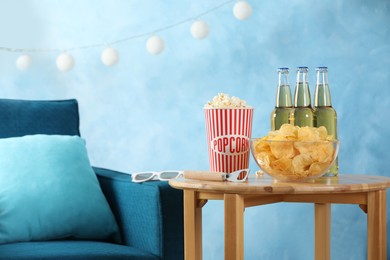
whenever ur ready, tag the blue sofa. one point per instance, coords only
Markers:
(149, 215)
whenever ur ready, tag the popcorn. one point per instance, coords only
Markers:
(223, 100)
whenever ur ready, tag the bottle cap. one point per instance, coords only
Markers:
(302, 69)
(322, 69)
(283, 70)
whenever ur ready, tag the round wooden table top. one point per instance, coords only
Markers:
(344, 183)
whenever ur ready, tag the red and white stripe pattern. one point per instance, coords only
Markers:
(228, 136)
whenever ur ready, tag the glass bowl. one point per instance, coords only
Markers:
(287, 160)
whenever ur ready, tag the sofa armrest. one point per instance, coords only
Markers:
(149, 214)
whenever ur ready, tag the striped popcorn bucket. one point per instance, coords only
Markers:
(228, 137)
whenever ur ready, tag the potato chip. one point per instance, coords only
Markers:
(316, 168)
(301, 163)
(306, 134)
(282, 164)
(322, 132)
(264, 158)
(304, 147)
(288, 130)
(295, 153)
(263, 147)
(323, 152)
(282, 149)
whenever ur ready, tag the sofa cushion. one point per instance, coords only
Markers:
(28, 117)
(74, 250)
(48, 190)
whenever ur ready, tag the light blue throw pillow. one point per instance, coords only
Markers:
(48, 191)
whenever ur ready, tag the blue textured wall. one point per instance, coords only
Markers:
(146, 112)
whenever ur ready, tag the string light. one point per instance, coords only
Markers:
(154, 44)
(199, 30)
(242, 10)
(65, 62)
(110, 56)
(24, 62)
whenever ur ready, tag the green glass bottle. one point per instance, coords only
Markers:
(302, 113)
(283, 105)
(324, 113)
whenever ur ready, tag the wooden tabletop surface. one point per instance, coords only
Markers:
(344, 183)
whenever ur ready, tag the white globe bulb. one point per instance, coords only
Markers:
(24, 62)
(155, 45)
(242, 10)
(65, 62)
(199, 30)
(110, 56)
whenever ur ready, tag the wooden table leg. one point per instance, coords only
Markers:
(234, 227)
(192, 226)
(322, 214)
(376, 225)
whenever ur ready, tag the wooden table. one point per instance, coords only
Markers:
(369, 192)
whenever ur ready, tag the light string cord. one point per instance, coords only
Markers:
(96, 45)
